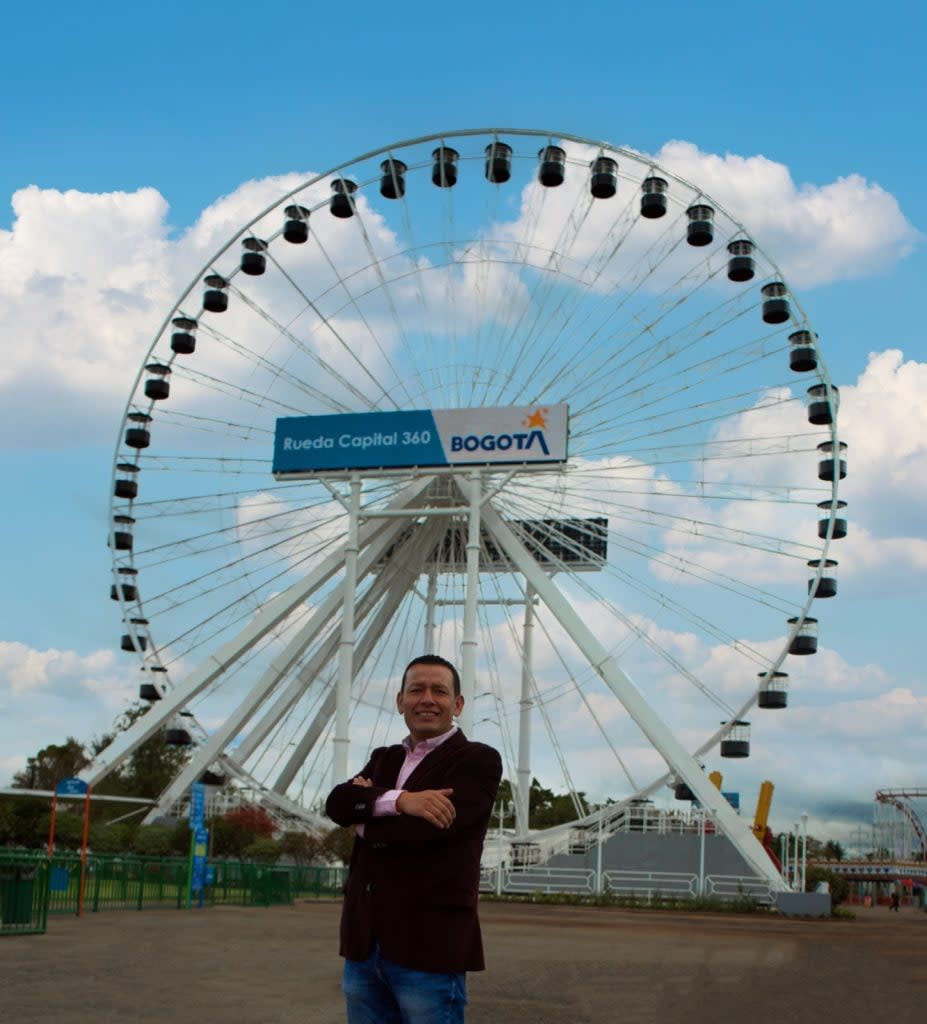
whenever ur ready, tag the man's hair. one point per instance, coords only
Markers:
(432, 659)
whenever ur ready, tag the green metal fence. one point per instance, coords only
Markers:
(262, 885)
(319, 881)
(137, 883)
(23, 895)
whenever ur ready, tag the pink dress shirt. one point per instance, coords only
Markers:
(386, 803)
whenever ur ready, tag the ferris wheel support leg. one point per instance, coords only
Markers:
(396, 585)
(522, 805)
(282, 803)
(430, 598)
(346, 645)
(270, 679)
(647, 720)
(271, 615)
(469, 642)
(308, 673)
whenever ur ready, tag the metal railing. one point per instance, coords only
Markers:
(650, 884)
(576, 840)
(739, 887)
(635, 884)
(577, 881)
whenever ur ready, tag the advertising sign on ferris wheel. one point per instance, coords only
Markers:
(500, 435)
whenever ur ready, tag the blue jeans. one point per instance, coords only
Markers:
(377, 991)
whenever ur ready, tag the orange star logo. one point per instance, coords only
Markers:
(537, 419)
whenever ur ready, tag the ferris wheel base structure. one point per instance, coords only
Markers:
(376, 535)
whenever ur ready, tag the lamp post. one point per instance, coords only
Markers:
(796, 857)
(505, 807)
(701, 853)
(804, 850)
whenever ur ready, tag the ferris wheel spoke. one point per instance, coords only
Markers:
(299, 389)
(571, 685)
(328, 327)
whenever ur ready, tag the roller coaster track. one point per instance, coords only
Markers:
(899, 799)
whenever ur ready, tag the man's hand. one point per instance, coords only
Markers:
(359, 780)
(431, 804)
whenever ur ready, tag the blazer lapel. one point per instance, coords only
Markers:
(434, 760)
(388, 770)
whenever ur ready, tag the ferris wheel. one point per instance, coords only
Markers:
(623, 607)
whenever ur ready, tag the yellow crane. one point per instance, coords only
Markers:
(763, 803)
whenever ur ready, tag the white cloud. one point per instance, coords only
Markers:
(88, 278)
(883, 419)
(25, 670)
(846, 229)
(50, 694)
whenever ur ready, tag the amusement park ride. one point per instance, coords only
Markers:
(903, 801)
(520, 398)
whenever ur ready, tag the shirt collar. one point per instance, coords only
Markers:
(430, 744)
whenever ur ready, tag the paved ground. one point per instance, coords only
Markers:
(548, 965)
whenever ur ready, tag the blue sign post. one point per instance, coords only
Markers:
(197, 805)
(199, 844)
(73, 787)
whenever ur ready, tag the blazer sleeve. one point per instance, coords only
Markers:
(474, 777)
(348, 804)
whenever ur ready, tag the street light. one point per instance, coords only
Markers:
(796, 858)
(505, 808)
(804, 850)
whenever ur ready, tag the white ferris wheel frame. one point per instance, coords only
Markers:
(369, 535)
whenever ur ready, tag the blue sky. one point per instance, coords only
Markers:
(193, 104)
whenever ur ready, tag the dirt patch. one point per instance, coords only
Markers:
(547, 965)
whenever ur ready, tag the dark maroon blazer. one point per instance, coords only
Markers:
(412, 886)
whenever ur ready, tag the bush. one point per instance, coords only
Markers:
(839, 886)
(153, 841)
(264, 851)
(234, 832)
(109, 838)
(69, 829)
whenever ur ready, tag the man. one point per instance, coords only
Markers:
(409, 927)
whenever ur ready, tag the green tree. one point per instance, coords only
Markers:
(302, 847)
(338, 844)
(505, 801)
(838, 885)
(833, 850)
(180, 837)
(547, 808)
(235, 831)
(150, 768)
(24, 821)
(69, 828)
(7, 823)
(51, 764)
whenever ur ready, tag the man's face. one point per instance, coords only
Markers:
(427, 701)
